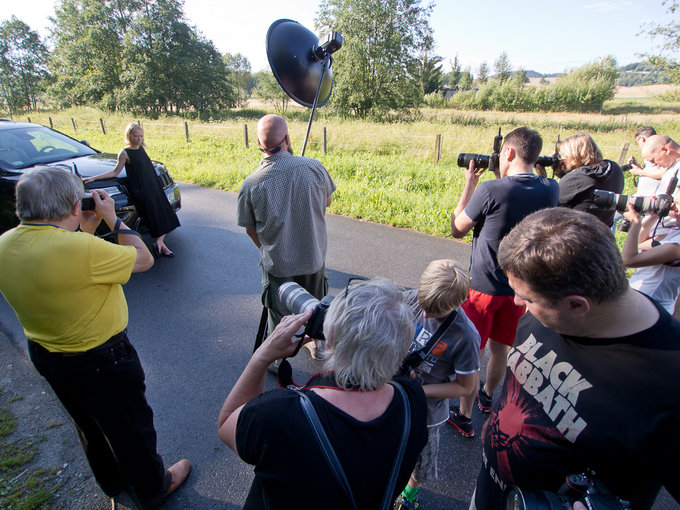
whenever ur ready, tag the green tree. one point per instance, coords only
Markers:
(269, 90)
(668, 53)
(466, 79)
(502, 67)
(242, 78)
(483, 73)
(377, 68)
(168, 65)
(431, 75)
(86, 60)
(23, 65)
(455, 74)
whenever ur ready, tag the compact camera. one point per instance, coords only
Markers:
(297, 300)
(583, 487)
(87, 202)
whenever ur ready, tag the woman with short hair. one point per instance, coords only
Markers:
(368, 330)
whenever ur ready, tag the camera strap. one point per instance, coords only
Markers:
(332, 458)
(414, 359)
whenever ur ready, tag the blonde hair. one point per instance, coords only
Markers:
(443, 287)
(129, 129)
(579, 150)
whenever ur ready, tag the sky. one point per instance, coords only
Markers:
(547, 36)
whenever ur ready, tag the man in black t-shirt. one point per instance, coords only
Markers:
(592, 378)
(492, 209)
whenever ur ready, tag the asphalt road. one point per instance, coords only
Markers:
(193, 321)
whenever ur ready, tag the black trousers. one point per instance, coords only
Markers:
(103, 391)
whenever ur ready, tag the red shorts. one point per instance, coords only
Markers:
(495, 317)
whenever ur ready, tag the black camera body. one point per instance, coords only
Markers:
(87, 202)
(583, 487)
(628, 166)
(492, 161)
(297, 300)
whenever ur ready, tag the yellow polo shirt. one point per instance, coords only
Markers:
(65, 287)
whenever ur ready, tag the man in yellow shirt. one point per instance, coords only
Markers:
(66, 288)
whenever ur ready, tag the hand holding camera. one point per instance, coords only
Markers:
(281, 343)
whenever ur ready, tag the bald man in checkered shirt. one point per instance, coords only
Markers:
(282, 206)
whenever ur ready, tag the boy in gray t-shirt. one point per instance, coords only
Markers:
(448, 370)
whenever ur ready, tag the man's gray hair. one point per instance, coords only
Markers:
(47, 193)
(370, 330)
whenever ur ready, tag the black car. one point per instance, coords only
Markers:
(24, 145)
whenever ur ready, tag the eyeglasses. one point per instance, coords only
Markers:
(350, 280)
(273, 150)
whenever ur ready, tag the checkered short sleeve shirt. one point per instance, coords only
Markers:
(285, 201)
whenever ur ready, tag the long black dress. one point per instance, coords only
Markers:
(145, 187)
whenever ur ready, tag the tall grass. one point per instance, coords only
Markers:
(384, 172)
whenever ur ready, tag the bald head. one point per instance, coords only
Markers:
(271, 130)
(660, 150)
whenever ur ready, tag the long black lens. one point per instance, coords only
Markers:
(481, 160)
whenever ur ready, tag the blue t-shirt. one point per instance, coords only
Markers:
(497, 206)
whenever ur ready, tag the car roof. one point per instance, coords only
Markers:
(10, 124)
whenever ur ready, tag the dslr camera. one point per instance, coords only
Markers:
(297, 300)
(658, 204)
(583, 487)
(492, 161)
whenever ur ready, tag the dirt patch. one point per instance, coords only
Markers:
(42, 425)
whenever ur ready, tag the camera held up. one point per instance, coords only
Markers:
(87, 202)
(297, 300)
(658, 204)
(583, 487)
(492, 161)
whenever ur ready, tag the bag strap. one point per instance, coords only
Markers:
(417, 357)
(332, 458)
(326, 447)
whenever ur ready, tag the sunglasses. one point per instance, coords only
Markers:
(277, 148)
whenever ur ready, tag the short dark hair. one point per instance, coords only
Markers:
(645, 131)
(526, 142)
(561, 252)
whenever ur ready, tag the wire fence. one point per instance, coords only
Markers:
(428, 146)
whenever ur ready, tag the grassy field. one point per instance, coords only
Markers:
(384, 172)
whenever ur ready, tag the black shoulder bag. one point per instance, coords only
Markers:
(332, 458)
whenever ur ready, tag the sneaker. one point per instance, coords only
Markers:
(462, 424)
(401, 503)
(316, 349)
(483, 400)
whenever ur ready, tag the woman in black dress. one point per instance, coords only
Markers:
(145, 187)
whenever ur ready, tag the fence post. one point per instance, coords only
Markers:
(75, 128)
(325, 147)
(51, 125)
(624, 151)
(101, 122)
(29, 119)
(245, 135)
(186, 130)
(437, 148)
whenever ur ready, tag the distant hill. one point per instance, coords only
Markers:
(638, 73)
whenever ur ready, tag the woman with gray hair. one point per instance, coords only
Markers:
(363, 414)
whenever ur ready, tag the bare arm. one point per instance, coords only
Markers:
(329, 201)
(104, 207)
(122, 160)
(639, 232)
(252, 233)
(460, 222)
(656, 172)
(251, 383)
(463, 385)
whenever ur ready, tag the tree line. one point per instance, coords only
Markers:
(143, 56)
